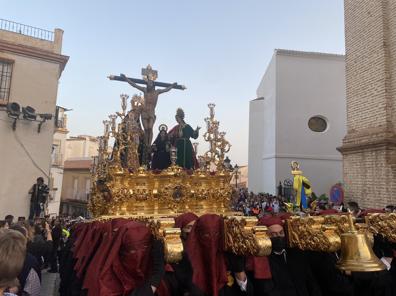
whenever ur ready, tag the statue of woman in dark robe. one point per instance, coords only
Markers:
(161, 150)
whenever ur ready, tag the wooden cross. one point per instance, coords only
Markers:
(148, 74)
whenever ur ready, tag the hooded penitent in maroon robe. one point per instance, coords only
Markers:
(205, 250)
(184, 219)
(129, 263)
(91, 279)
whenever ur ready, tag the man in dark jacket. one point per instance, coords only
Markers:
(330, 279)
(38, 197)
(291, 273)
(56, 240)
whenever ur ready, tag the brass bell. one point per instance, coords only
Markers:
(356, 252)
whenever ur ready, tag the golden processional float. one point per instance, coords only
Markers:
(123, 187)
(138, 193)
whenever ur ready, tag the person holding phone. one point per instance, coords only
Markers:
(41, 244)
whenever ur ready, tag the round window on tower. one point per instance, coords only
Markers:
(317, 124)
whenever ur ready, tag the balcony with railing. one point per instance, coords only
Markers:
(30, 38)
(57, 159)
(61, 119)
(26, 30)
(80, 196)
(60, 124)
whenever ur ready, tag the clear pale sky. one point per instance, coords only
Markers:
(218, 49)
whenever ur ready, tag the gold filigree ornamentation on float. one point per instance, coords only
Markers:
(339, 221)
(342, 225)
(169, 193)
(242, 236)
(310, 233)
(326, 232)
(164, 228)
(136, 191)
(384, 224)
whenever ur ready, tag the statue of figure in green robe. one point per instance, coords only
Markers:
(180, 138)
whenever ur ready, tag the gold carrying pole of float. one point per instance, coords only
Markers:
(384, 224)
(311, 234)
(243, 236)
(333, 233)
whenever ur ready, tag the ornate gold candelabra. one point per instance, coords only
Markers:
(133, 131)
(218, 145)
(125, 135)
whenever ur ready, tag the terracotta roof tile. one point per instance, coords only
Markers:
(79, 164)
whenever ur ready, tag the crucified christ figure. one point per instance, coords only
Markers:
(150, 99)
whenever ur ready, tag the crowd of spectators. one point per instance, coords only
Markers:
(40, 241)
(44, 239)
(251, 204)
(261, 204)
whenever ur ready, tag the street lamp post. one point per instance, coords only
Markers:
(236, 168)
(227, 164)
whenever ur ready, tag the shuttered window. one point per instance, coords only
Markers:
(5, 80)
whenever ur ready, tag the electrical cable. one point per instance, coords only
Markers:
(29, 155)
(26, 151)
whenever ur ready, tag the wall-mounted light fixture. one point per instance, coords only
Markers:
(44, 117)
(28, 113)
(13, 111)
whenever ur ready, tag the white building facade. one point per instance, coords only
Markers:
(58, 159)
(82, 146)
(76, 185)
(31, 63)
(299, 114)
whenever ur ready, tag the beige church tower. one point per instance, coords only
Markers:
(369, 148)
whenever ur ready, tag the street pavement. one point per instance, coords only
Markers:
(49, 283)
